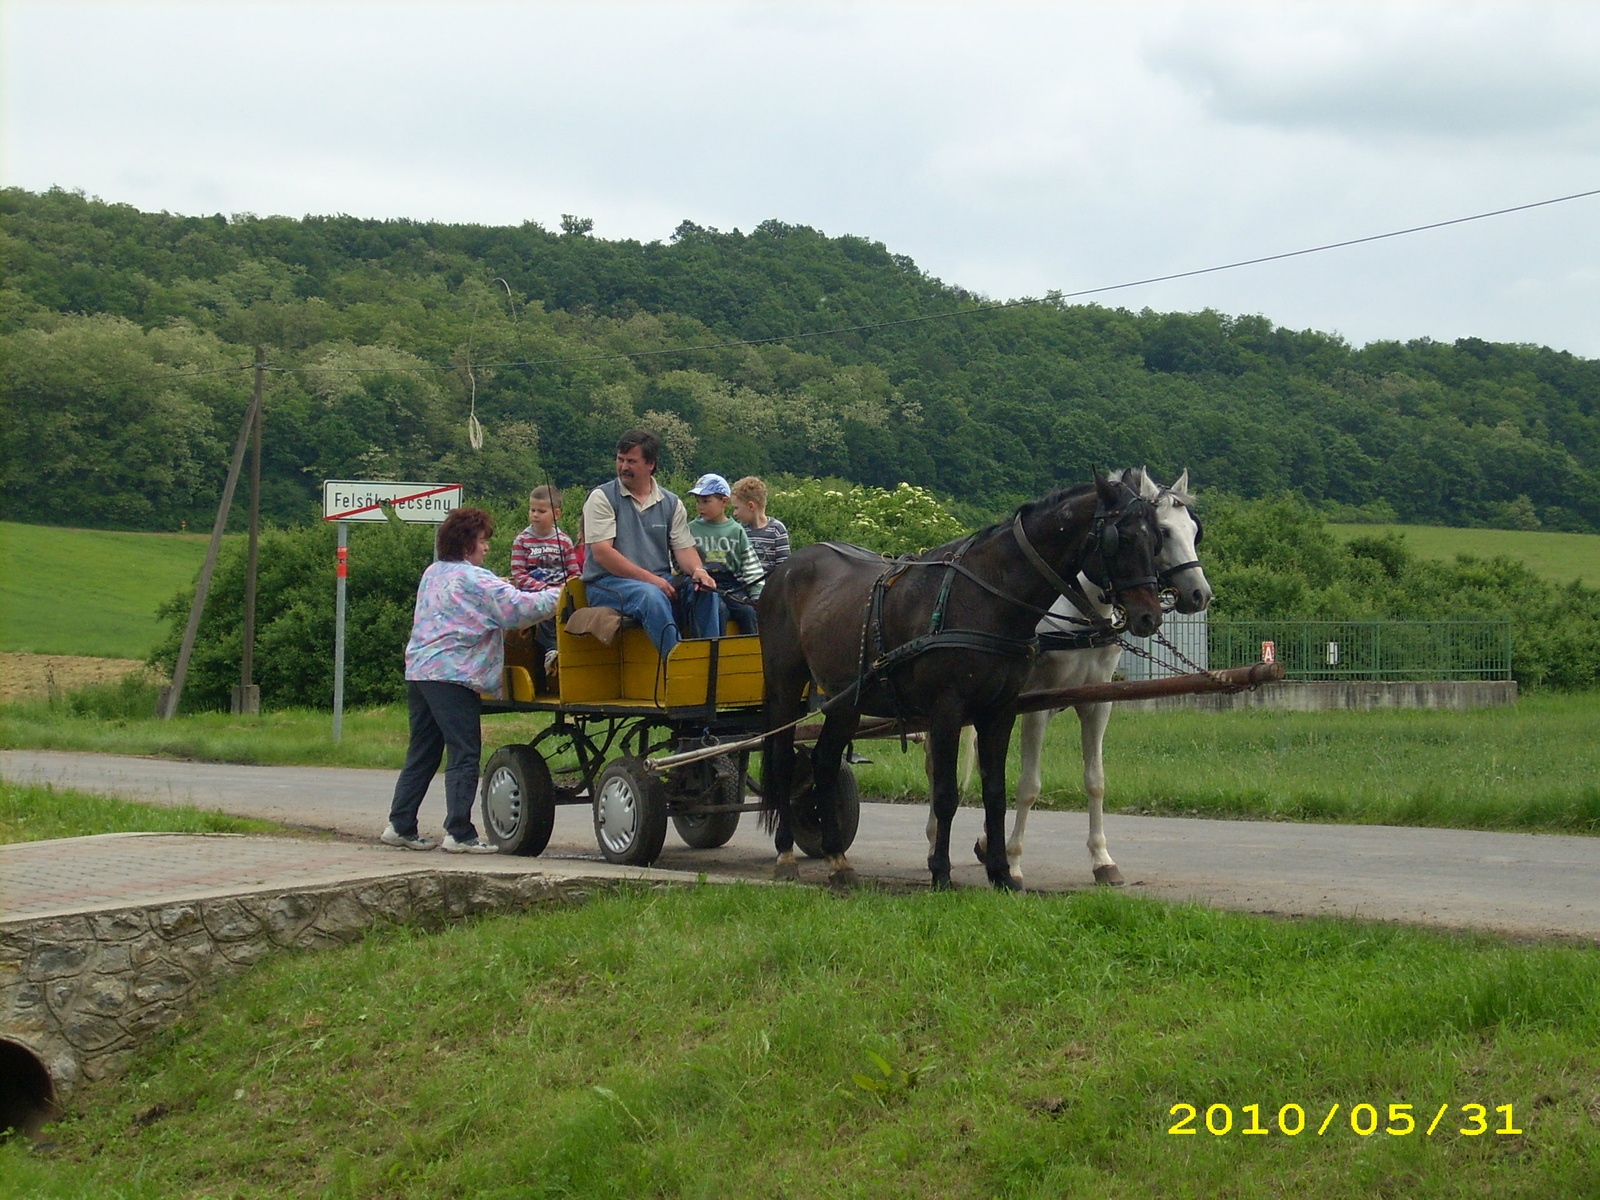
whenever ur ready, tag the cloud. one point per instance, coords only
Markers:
(1422, 70)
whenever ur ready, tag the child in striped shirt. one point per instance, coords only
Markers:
(769, 537)
(542, 556)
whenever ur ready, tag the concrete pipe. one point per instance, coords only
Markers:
(27, 1095)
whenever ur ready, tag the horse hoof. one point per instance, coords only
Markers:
(1108, 876)
(980, 848)
(787, 871)
(843, 879)
(1004, 883)
(941, 883)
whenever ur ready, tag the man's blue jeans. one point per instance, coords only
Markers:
(648, 605)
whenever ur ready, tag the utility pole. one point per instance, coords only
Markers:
(247, 696)
(173, 692)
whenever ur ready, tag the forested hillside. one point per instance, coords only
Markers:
(127, 337)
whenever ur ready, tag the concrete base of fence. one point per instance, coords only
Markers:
(1355, 694)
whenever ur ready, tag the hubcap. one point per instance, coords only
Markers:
(502, 803)
(619, 814)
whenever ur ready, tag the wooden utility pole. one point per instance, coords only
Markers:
(173, 692)
(247, 696)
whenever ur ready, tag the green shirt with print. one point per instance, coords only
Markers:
(726, 550)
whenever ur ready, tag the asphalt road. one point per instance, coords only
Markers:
(1522, 884)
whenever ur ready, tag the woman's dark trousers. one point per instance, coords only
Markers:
(442, 714)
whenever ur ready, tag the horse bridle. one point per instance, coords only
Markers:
(1165, 576)
(1105, 537)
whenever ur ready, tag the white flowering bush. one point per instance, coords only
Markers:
(905, 520)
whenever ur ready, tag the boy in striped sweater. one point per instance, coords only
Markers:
(542, 556)
(769, 537)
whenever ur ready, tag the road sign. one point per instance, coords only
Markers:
(358, 500)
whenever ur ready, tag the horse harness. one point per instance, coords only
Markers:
(878, 665)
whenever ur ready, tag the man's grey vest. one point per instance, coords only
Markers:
(643, 538)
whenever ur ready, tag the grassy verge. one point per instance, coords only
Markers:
(32, 813)
(781, 1042)
(1532, 767)
(114, 719)
(112, 582)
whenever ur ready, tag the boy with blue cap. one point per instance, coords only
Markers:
(725, 549)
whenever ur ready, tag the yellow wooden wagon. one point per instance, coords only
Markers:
(614, 705)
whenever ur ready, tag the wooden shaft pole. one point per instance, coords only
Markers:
(1233, 679)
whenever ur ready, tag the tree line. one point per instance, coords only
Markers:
(127, 338)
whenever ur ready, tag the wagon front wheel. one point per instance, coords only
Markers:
(518, 800)
(707, 831)
(806, 825)
(630, 813)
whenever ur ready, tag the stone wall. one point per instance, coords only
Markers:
(81, 992)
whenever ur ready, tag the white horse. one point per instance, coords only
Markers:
(1180, 572)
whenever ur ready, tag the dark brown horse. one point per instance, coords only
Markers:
(942, 641)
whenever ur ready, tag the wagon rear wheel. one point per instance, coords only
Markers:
(804, 822)
(518, 800)
(707, 831)
(630, 813)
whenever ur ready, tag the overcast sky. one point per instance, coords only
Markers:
(1010, 149)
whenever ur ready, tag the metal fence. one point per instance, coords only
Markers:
(1367, 649)
(1186, 631)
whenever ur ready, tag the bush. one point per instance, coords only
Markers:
(906, 520)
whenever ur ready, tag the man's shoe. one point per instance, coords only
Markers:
(471, 846)
(412, 842)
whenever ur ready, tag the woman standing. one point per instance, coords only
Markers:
(455, 652)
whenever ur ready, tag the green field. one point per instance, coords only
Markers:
(87, 591)
(1559, 557)
(732, 1041)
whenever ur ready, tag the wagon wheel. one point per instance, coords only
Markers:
(518, 800)
(707, 831)
(804, 822)
(630, 813)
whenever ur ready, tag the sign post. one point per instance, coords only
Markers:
(345, 501)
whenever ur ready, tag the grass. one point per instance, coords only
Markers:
(36, 812)
(1532, 767)
(86, 591)
(747, 1041)
(115, 719)
(1559, 557)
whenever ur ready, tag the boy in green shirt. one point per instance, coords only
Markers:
(725, 548)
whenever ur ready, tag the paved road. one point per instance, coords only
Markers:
(1524, 884)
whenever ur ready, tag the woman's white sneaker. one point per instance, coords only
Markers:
(471, 846)
(414, 842)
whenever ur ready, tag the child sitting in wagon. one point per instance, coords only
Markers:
(543, 557)
(769, 537)
(725, 547)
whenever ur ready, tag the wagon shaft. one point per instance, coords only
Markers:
(1233, 679)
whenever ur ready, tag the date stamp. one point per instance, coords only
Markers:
(1364, 1120)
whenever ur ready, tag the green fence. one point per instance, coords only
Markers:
(1368, 649)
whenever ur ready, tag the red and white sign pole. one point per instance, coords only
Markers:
(347, 500)
(338, 634)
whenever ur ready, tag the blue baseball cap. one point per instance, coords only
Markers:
(711, 485)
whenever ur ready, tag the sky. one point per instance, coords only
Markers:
(1010, 149)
